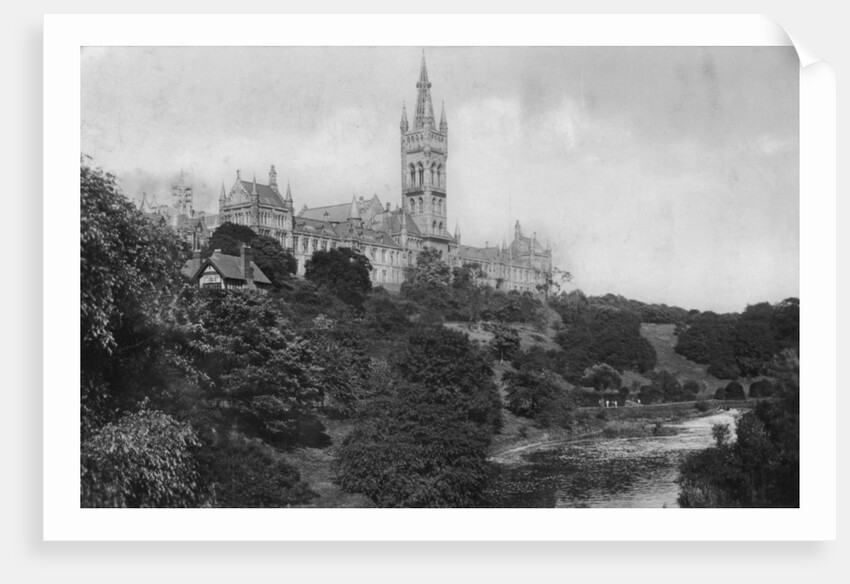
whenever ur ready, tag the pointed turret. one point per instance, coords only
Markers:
(457, 232)
(444, 125)
(254, 186)
(222, 198)
(404, 125)
(288, 198)
(424, 109)
(273, 178)
(354, 211)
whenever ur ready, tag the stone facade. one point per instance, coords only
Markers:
(389, 237)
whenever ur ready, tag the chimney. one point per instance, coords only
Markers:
(238, 175)
(247, 270)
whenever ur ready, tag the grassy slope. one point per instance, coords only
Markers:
(663, 339)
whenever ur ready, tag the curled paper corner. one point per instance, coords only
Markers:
(806, 56)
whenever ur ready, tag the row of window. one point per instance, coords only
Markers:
(436, 205)
(436, 173)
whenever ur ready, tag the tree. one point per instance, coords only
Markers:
(601, 377)
(761, 388)
(505, 342)
(145, 459)
(735, 390)
(229, 238)
(428, 281)
(691, 388)
(240, 350)
(415, 451)
(344, 272)
(455, 371)
(249, 473)
(535, 395)
(129, 271)
(267, 252)
(667, 385)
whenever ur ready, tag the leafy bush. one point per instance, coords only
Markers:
(414, 451)
(761, 388)
(144, 459)
(601, 377)
(735, 390)
(702, 406)
(534, 394)
(246, 473)
(505, 341)
(344, 272)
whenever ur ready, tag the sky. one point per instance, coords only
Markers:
(664, 174)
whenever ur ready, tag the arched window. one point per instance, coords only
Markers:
(420, 204)
(412, 176)
(432, 175)
(441, 226)
(434, 227)
(412, 206)
(421, 176)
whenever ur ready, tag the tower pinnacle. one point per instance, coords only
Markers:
(404, 125)
(444, 125)
(424, 108)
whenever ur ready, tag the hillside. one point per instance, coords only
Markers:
(663, 339)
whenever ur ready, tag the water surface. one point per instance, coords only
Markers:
(602, 472)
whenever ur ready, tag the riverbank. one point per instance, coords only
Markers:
(520, 436)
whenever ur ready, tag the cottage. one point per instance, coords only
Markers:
(226, 272)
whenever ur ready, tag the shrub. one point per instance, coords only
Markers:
(246, 473)
(761, 388)
(735, 390)
(720, 393)
(144, 459)
(702, 406)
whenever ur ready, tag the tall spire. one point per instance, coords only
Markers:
(404, 125)
(424, 109)
(457, 231)
(288, 193)
(254, 187)
(444, 125)
(354, 211)
(223, 195)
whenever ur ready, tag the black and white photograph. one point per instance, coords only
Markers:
(440, 277)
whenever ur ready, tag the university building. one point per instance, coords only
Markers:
(389, 237)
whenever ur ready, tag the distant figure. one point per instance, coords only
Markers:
(638, 401)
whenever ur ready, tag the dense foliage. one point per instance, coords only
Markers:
(735, 345)
(165, 373)
(343, 272)
(144, 459)
(537, 395)
(601, 334)
(128, 274)
(275, 262)
(762, 467)
(422, 442)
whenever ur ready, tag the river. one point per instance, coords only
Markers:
(602, 472)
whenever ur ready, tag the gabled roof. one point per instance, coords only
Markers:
(391, 222)
(335, 213)
(230, 267)
(478, 254)
(268, 196)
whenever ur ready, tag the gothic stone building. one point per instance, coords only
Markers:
(390, 238)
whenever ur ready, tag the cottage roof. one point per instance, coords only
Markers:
(230, 267)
